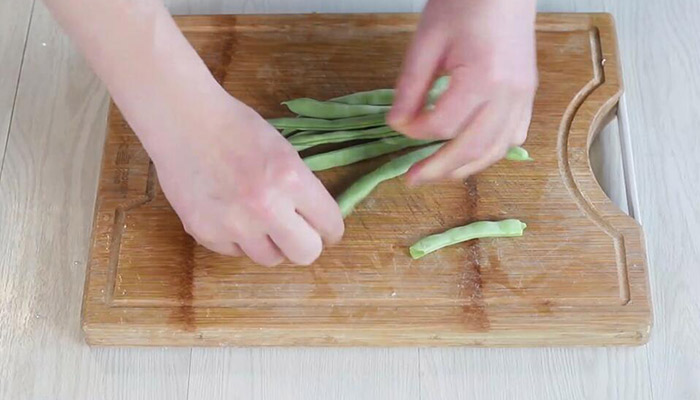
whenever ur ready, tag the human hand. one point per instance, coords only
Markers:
(235, 182)
(488, 49)
(239, 187)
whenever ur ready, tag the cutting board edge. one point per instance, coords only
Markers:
(602, 102)
(103, 335)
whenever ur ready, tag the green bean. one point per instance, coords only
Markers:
(386, 96)
(475, 230)
(396, 167)
(360, 152)
(305, 107)
(307, 141)
(378, 97)
(316, 124)
(517, 153)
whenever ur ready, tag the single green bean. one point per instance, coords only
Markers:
(475, 230)
(396, 167)
(518, 154)
(317, 124)
(305, 107)
(378, 97)
(302, 147)
(365, 151)
(307, 141)
(386, 96)
(360, 152)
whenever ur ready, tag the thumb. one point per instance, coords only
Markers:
(417, 74)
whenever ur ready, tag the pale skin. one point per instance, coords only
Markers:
(237, 185)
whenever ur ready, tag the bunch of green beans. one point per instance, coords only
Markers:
(361, 117)
(355, 117)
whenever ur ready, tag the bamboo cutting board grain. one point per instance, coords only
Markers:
(577, 277)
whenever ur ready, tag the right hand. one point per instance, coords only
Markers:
(239, 187)
(487, 47)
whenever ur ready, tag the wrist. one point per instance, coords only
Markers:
(171, 120)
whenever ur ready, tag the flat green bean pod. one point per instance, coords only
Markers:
(307, 141)
(518, 154)
(360, 152)
(317, 124)
(475, 230)
(306, 107)
(396, 167)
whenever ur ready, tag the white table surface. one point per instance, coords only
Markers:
(52, 113)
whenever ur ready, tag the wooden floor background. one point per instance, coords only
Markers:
(52, 117)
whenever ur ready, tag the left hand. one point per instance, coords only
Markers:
(487, 47)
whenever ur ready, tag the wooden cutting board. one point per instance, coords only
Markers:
(577, 277)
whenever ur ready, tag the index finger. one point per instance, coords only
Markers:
(319, 209)
(417, 73)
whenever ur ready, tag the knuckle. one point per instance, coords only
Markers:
(188, 228)
(190, 220)
(232, 253)
(232, 228)
(289, 176)
(206, 238)
(236, 251)
(209, 246)
(259, 202)
(444, 133)
(459, 174)
(195, 229)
